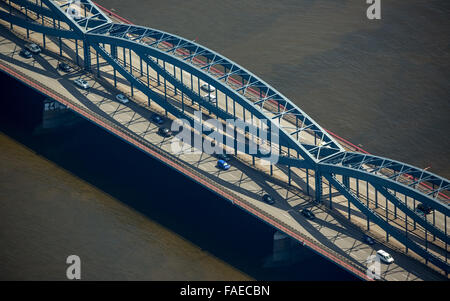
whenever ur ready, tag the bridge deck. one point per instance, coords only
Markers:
(330, 234)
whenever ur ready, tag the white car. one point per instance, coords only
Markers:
(385, 256)
(122, 98)
(33, 48)
(207, 88)
(82, 83)
(209, 97)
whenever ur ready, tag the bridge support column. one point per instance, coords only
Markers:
(159, 81)
(346, 182)
(307, 181)
(10, 12)
(217, 102)
(387, 218)
(434, 224)
(318, 186)
(43, 35)
(114, 55)
(289, 174)
(331, 195)
(131, 71)
(182, 94)
(226, 103)
(26, 18)
(286, 251)
(56, 116)
(236, 144)
(60, 39)
(124, 57)
(367, 199)
(376, 198)
(98, 65)
(357, 188)
(87, 55)
(131, 62)
(445, 227)
(175, 76)
(406, 224)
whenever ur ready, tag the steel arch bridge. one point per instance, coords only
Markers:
(303, 143)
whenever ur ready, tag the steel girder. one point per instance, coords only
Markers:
(410, 212)
(395, 175)
(156, 97)
(36, 8)
(89, 16)
(385, 225)
(186, 55)
(67, 34)
(324, 154)
(285, 137)
(284, 160)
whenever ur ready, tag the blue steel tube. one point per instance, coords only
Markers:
(318, 184)
(87, 55)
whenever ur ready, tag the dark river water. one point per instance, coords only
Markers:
(382, 84)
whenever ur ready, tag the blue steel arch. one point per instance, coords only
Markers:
(324, 155)
(117, 33)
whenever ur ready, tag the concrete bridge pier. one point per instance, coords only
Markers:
(56, 116)
(286, 251)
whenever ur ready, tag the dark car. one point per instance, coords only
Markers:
(420, 213)
(157, 119)
(368, 240)
(64, 67)
(424, 208)
(268, 199)
(26, 54)
(308, 214)
(165, 132)
(223, 157)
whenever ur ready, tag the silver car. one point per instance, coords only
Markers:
(207, 88)
(209, 97)
(122, 98)
(82, 83)
(33, 48)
